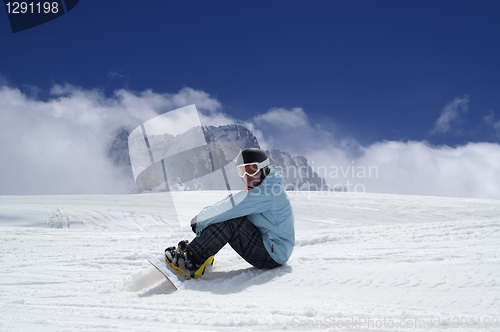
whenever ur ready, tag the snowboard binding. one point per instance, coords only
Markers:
(180, 261)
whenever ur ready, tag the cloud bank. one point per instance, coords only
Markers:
(415, 168)
(60, 146)
(396, 167)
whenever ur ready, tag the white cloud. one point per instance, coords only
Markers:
(289, 130)
(416, 168)
(491, 121)
(60, 146)
(266, 143)
(282, 117)
(215, 119)
(451, 115)
(472, 170)
(3, 80)
(116, 75)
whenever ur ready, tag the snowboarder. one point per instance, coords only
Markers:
(257, 222)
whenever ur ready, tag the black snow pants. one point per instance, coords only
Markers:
(241, 234)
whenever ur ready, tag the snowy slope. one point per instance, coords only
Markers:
(380, 262)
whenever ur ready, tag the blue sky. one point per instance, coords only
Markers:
(362, 71)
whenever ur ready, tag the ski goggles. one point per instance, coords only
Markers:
(252, 168)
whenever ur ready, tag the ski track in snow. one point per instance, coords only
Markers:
(80, 263)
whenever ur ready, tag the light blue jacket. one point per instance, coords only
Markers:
(267, 207)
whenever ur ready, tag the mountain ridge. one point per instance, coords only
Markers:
(296, 172)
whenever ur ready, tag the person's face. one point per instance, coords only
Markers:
(252, 180)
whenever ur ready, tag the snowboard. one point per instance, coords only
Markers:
(161, 265)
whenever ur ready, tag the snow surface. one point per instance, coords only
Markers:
(363, 262)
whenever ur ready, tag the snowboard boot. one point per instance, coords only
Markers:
(181, 261)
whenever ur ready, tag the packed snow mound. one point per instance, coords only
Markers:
(361, 262)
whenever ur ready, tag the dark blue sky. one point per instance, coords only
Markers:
(372, 70)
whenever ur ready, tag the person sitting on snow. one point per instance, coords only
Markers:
(257, 222)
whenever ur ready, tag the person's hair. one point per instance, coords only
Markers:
(264, 172)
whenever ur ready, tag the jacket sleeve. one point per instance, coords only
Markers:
(242, 204)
